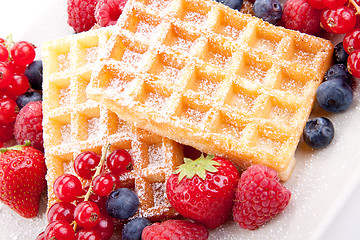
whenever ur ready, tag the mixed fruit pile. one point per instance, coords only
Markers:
(207, 191)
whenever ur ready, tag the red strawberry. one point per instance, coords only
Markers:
(203, 190)
(259, 197)
(175, 229)
(22, 178)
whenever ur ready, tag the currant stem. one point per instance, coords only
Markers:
(356, 6)
(97, 172)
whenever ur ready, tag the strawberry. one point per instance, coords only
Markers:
(22, 178)
(259, 197)
(203, 190)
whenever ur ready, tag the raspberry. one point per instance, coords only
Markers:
(107, 12)
(175, 229)
(259, 197)
(28, 125)
(299, 15)
(81, 14)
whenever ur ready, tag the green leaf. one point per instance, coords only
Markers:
(15, 147)
(198, 167)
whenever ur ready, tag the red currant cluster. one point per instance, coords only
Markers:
(351, 45)
(14, 58)
(81, 213)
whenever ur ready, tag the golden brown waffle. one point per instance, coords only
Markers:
(72, 124)
(210, 77)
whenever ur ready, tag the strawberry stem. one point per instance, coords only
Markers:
(16, 147)
(197, 167)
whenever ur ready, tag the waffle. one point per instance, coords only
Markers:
(213, 78)
(72, 124)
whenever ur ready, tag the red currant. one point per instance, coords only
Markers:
(88, 234)
(67, 187)
(6, 131)
(118, 161)
(102, 184)
(100, 201)
(333, 3)
(23, 53)
(85, 164)
(105, 227)
(6, 75)
(7, 110)
(87, 214)
(61, 211)
(4, 54)
(351, 41)
(340, 20)
(59, 230)
(41, 236)
(17, 69)
(353, 63)
(2, 41)
(19, 85)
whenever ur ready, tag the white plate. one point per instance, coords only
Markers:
(320, 183)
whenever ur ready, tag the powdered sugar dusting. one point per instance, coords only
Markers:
(159, 190)
(91, 54)
(64, 62)
(231, 32)
(194, 17)
(155, 100)
(64, 97)
(145, 29)
(94, 128)
(206, 86)
(131, 57)
(65, 132)
(155, 156)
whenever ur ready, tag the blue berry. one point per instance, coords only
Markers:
(334, 95)
(133, 229)
(27, 97)
(340, 55)
(122, 203)
(318, 132)
(268, 10)
(338, 71)
(234, 4)
(34, 73)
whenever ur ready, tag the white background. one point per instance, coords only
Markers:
(324, 184)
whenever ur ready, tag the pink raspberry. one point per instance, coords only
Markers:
(28, 125)
(81, 14)
(175, 229)
(299, 15)
(107, 12)
(259, 197)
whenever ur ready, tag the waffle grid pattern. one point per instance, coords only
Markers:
(210, 77)
(73, 124)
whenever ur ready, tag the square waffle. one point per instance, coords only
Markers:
(213, 78)
(72, 124)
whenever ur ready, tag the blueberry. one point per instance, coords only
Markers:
(34, 73)
(27, 97)
(133, 229)
(122, 203)
(338, 71)
(340, 55)
(334, 95)
(234, 4)
(268, 10)
(318, 132)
